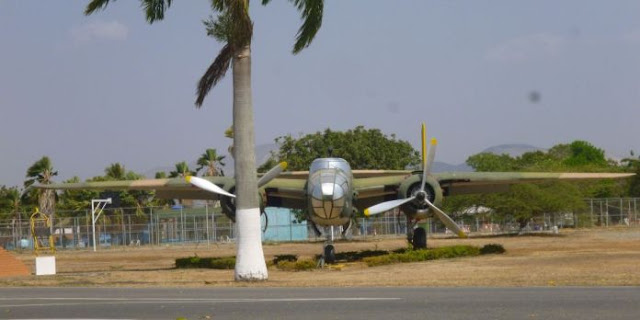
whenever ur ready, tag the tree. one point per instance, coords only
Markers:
(42, 172)
(76, 200)
(233, 28)
(182, 170)
(211, 161)
(10, 203)
(115, 171)
(362, 148)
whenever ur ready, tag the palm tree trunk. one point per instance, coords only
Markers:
(250, 263)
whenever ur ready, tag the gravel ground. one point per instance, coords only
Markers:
(596, 257)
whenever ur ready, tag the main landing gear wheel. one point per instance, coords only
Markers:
(329, 254)
(419, 238)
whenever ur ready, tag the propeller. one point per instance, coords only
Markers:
(274, 172)
(420, 196)
(207, 185)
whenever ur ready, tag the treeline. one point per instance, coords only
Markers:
(368, 149)
(16, 201)
(526, 201)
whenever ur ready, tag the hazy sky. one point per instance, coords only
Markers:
(90, 91)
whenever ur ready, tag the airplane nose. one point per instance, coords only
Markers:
(331, 191)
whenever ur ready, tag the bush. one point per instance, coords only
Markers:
(423, 255)
(492, 248)
(352, 256)
(301, 265)
(210, 263)
(285, 257)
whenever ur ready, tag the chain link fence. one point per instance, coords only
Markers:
(206, 225)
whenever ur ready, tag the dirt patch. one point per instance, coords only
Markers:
(574, 258)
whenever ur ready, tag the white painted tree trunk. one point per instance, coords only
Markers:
(250, 264)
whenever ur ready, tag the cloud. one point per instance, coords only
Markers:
(527, 47)
(100, 30)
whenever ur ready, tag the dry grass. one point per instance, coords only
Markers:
(586, 257)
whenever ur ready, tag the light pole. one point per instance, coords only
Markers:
(97, 205)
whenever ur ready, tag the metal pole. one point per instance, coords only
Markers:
(93, 223)
(206, 222)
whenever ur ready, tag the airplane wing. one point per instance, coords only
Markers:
(175, 188)
(377, 185)
(458, 183)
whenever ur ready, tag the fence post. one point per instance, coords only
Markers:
(206, 221)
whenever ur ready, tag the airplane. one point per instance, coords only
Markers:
(331, 192)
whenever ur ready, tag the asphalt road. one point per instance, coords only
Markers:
(321, 303)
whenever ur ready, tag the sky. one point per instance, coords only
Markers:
(91, 91)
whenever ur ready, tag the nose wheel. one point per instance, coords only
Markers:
(329, 254)
(416, 237)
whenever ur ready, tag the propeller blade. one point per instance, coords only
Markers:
(424, 156)
(452, 225)
(274, 172)
(386, 206)
(432, 155)
(208, 186)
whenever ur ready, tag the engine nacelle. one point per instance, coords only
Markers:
(410, 186)
(228, 204)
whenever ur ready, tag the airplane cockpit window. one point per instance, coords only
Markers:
(328, 186)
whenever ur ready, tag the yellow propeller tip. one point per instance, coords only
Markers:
(188, 178)
(283, 165)
(462, 234)
(434, 141)
(367, 212)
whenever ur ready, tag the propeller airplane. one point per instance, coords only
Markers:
(331, 192)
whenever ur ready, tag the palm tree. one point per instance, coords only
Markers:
(233, 28)
(115, 171)
(210, 160)
(182, 170)
(42, 172)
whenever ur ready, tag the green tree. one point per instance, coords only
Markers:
(41, 172)
(632, 164)
(115, 171)
(585, 154)
(234, 29)
(182, 170)
(76, 200)
(492, 162)
(211, 161)
(362, 148)
(10, 203)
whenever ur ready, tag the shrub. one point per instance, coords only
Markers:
(285, 257)
(211, 263)
(423, 255)
(492, 248)
(351, 256)
(301, 265)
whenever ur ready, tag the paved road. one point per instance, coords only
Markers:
(321, 303)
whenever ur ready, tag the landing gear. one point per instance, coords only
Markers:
(419, 238)
(416, 237)
(329, 254)
(329, 251)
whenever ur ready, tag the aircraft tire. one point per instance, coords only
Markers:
(329, 254)
(419, 238)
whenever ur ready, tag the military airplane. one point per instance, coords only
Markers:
(331, 192)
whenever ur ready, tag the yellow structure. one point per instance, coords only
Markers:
(41, 231)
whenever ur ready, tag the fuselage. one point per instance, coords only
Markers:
(330, 192)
